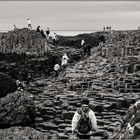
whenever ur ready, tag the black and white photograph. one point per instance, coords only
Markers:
(69, 69)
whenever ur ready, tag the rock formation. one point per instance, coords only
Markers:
(17, 109)
(7, 84)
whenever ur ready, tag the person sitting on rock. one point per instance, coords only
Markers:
(84, 121)
(56, 69)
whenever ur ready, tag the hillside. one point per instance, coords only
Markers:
(110, 78)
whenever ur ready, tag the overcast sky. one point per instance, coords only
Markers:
(70, 15)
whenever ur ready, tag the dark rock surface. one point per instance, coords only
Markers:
(17, 109)
(7, 84)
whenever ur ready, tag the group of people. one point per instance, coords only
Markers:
(45, 34)
(64, 62)
(28, 23)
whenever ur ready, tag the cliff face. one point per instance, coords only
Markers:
(23, 50)
(22, 40)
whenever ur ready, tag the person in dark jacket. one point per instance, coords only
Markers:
(38, 29)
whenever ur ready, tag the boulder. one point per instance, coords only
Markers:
(7, 84)
(16, 109)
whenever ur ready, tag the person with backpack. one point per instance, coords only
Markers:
(84, 121)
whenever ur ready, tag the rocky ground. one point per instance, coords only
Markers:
(108, 78)
(58, 98)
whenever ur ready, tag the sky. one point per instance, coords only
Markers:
(70, 16)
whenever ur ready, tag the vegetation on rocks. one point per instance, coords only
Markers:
(16, 109)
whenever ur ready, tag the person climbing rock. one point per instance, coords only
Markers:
(84, 121)
(65, 59)
(82, 42)
(56, 69)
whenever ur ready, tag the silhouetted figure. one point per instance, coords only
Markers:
(48, 33)
(19, 85)
(102, 38)
(42, 33)
(38, 29)
(14, 27)
(107, 28)
(87, 49)
(54, 38)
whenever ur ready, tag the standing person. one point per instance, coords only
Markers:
(42, 33)
(48, 33)
(56, 69)
(84, 121)
(65, 59)
(88, 46)
(54, 38)
(101, 39)
(29, 24)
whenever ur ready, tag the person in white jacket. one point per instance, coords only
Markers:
(29, 24)
(64, 62)
(77, 121)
